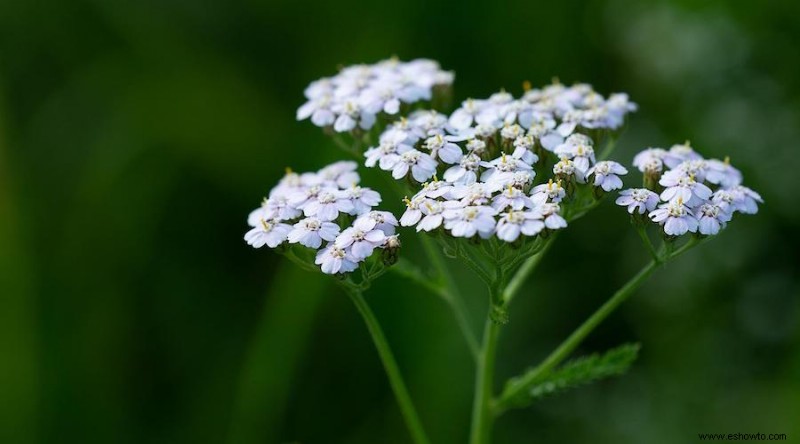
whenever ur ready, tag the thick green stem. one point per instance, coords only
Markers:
(566, 347)
(482, 416)
(390, 365)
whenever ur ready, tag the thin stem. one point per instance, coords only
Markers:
(572, 342)
(405, 268)
(522, 274)
(454, 301)
(482, 417)
(390, 365)
(566, 347)
(649, 245)
(464, 254)
(450, 291)
(609, 148)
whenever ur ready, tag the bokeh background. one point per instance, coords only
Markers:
(136, 136)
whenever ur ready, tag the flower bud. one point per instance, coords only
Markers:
(391, 250)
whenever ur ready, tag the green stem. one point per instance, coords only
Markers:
(390, 365)
(482, 417)
(609, 148)
(566, 347)
(450, 294)
(450, 291)
(649, 245)
(522, 274)
(473, 264)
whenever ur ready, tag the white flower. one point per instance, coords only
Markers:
(311, 231)
(362, 238)
(427, 123)
(476, 146)
(676, 218)
(521, 179)
(333, 259)
(442, 147)
(433, 215)
(552, 191)
(340, 174)
(606, 175)
(722, 173)
(255, 216)
(511, 132)
(350, 115)
(566, 168)
(379, 220)
(355, 95)
(278, 207)
(412, 214)
(514, 223)
(499, 172)
(463, 117)
(422, 166)
(640, 200)
(326, 205)
(465, 173)
(475, 194)
(650, 160)
(617, 105)
(711, 218)
(694, 167)
(680, 153)
(678, 185)
(319, 110)
(745, 200)
(301, 196)
(511, 197)
(381, 96)
(550, 213)
(435, 189)
(386, 153)
(470, 220)
(542, 129)
(527, 142)
(268, 232)
(362, 199)
(519, 111)
(577, 148)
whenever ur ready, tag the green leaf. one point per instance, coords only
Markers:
(575, 373)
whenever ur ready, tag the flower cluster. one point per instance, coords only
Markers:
(487, 153)
(357, 94)
(686, 193)
(554, 118)
(311, 208)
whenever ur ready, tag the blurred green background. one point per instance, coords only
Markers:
(136, 136)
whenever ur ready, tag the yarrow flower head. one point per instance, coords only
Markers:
(314, 208)
(697, 195)
(354, 97)
(488, 152)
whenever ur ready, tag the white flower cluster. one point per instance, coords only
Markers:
(490, 150)
(696, 195)
(354, 97)
(547, 118)
(307, 209)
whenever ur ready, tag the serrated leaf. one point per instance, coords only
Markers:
(575, 373)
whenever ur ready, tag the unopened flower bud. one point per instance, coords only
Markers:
(391, 249)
